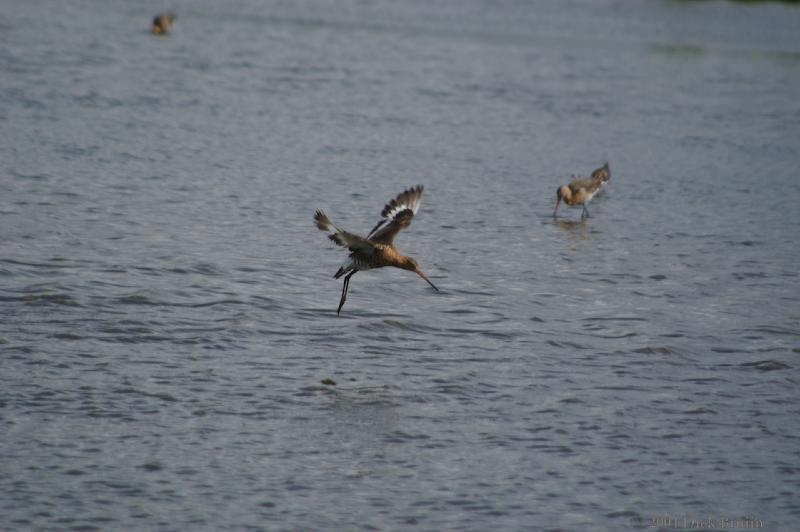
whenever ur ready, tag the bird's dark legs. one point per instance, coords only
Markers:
(584, 213)
(345, 286)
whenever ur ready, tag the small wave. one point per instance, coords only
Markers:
(623, 388)
(151, 466)
(140, 339)
(134, 329)
(773, 330)
(654, 350)
(726, 350)
(766, 365)
(654, 296)
(616, 318)
(571, 401)
(749, 275)
(567, 344)
(400, 436)
(215, 303)
(460, 332)
(706, 380)
(67, 336)
(55, 263)
(409, 326)
(200, 268)
(453, 389)
(462, 310)
(614, 336)
(45, 299)
(746, 243)
(133, 391)
(699, 411)
(136, 299)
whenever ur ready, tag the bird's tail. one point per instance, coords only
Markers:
(344, 268)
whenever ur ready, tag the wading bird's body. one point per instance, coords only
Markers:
(581, 191)
(162, 23)
(377, 249)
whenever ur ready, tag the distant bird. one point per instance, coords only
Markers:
(581, 191)
(377, 250)
(162, 23)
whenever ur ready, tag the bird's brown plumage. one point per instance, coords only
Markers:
(162, 23)
(581, 191)
(377, 249)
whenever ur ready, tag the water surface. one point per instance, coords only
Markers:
(167, 309)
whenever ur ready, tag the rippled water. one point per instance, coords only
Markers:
(167, 309)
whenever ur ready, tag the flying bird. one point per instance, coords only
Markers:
(377, 249)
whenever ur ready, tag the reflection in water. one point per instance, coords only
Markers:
(364, 420)
(570, 225)
(574, 229)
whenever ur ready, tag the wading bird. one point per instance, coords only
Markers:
(162, 23)
(581, 191)
(377, 249)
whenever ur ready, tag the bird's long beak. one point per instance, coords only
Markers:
(419, 272)
(558, 202)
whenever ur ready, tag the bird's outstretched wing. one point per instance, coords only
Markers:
(351, 241)
(397, 215)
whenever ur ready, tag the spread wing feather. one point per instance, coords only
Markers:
(351, 241)
(397, 215)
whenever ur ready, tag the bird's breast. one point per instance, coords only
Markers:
(388, 256)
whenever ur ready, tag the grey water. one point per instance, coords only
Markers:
(168, 311)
